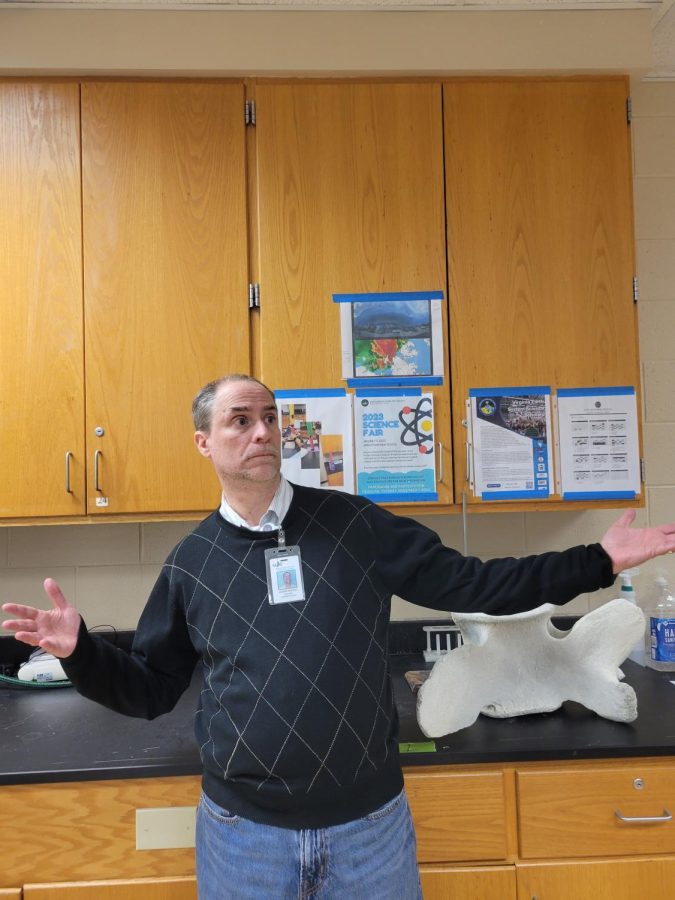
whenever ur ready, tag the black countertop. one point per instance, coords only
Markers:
(56, 735)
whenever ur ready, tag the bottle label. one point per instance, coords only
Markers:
(662, 633)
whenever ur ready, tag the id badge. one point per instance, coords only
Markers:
(284, 575)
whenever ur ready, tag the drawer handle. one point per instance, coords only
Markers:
(97, 470)
(69, 456)
(644, 820)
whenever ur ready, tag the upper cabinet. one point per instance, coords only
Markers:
(540, 237)
(350, 200)
(134, 215)
(165, 283)
(41, 344)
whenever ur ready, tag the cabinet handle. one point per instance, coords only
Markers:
(644, 820)
(440, 462)
(97, 455)
(69, 489)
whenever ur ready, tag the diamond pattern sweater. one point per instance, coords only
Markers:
(296, 722)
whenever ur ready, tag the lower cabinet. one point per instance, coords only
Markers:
(476, 883)
(132, 889)
(577, 830)
(605, 879)
(460, 816)
(571, 830)
(91, 833)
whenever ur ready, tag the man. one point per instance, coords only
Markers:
(297, 728)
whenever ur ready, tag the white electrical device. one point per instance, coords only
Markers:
(41, 666)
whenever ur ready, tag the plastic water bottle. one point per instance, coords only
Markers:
(661, 645)
(637, 653)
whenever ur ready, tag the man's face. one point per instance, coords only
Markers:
(244, 441)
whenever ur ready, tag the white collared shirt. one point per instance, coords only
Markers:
(274, 516)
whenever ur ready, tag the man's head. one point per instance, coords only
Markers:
(237, 429)
(202, 405)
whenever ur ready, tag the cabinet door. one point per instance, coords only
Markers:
(458, 816)
(41, 371)
(350, 181)
(616, 879)
(540, 237)
(135, 889)
(165, 283)
(96, 838)
(613, 810)
(481, 883)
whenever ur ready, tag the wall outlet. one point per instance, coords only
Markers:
(167, 828)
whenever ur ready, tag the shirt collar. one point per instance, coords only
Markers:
(274, 516)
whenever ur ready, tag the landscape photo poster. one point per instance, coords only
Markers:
(392, 336)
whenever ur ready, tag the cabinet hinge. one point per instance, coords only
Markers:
(254, 296)
(629, 110)
(636, 290)
(249, 112)
(643, 470)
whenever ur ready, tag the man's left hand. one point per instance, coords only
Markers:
(628, 547)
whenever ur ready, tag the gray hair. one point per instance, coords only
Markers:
(202, 405)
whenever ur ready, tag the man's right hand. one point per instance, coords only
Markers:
(54, 630)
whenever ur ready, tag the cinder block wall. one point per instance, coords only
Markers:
(108, 570)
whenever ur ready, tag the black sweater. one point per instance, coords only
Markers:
(296, 723)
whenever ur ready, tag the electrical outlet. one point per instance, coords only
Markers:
(166, 828)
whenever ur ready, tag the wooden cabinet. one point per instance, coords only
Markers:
(165, 283)
(615, 879)
(600, 831)
(10, 893)
(540, 237)
(124, 276)
(350, 200)
(462, 816)
(41, 341)
(96, 835)
(122, 889)
(549, 832)
(157, 208)
(487, 832)
(588, 811)
(476, 883)
(458, 815)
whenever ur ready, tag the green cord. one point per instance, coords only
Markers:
(17, 682)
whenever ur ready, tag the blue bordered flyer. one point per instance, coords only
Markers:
(316, 437)
(510, 442)
(395, 446)
(392, 338)
(598, 443)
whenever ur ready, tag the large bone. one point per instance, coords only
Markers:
(520, 664)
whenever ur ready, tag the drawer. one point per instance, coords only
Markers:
(573, 812)
(458, 816)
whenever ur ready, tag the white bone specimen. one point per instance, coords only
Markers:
(519, 664)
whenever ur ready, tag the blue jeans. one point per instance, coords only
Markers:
(372, 858)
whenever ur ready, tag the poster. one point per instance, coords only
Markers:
(395, 446)
(511, 442)
(396, 336)
(316, 438)
(598, 443)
